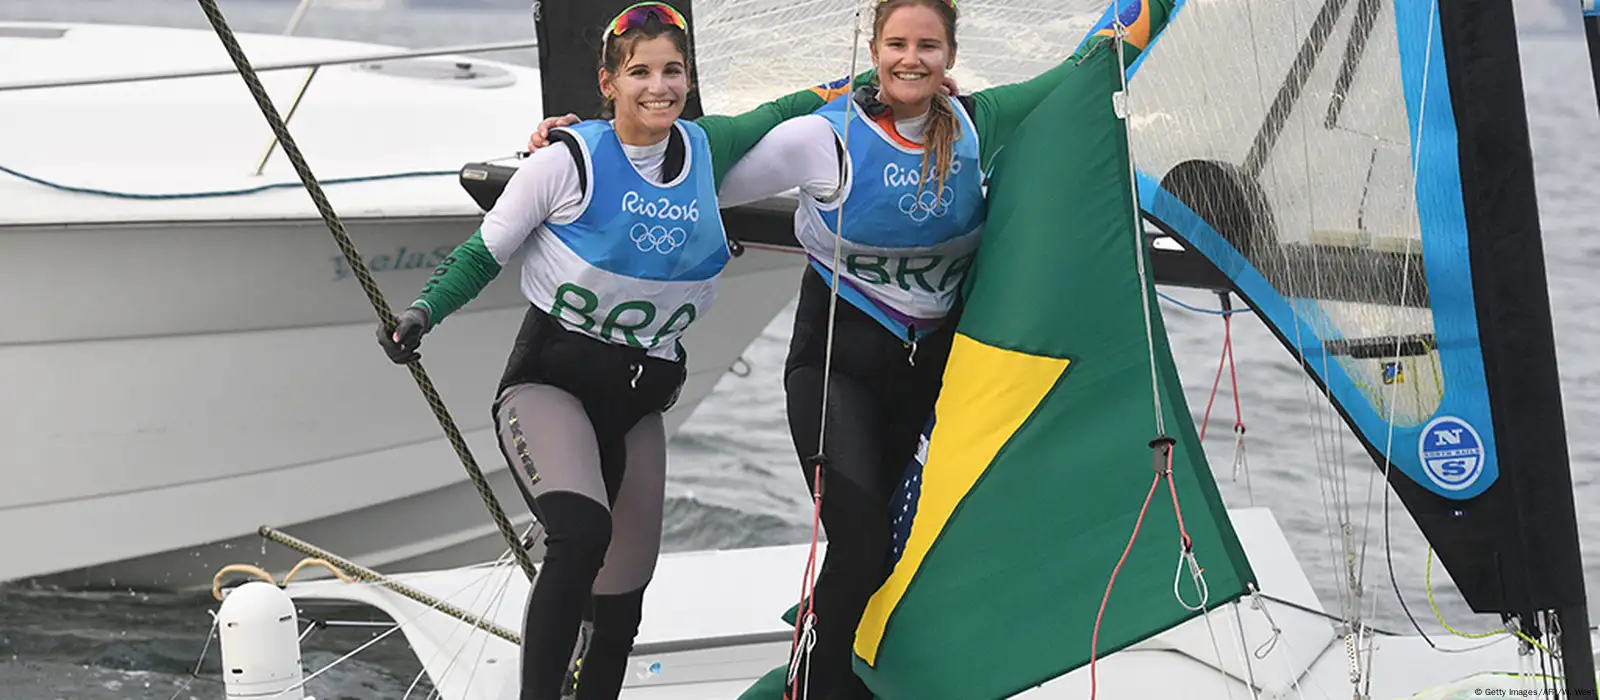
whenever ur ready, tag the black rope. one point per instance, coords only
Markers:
(374, 295)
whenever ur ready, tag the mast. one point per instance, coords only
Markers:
(1540, 562)
(569, 35)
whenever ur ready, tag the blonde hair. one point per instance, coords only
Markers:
(939, 137)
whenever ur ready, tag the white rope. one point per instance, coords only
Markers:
(1244, 654)
(1120, 104)
(1241, 463)
(802, 652)
(1326, 498)
(1195, 576)
(505, 559)
(845, 176)
(397, 627)
(1405, 280)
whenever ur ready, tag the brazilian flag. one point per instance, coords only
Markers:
(1040, 457)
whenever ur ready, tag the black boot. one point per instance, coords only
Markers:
(616, 624)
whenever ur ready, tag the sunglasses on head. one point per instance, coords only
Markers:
(637, 15)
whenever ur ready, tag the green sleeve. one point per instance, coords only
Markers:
(1000, 109)
(733, 136)
(457, 280)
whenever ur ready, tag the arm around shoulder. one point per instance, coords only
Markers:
(800, 153)
(732, 137)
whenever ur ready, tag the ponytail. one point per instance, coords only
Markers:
(939, 143)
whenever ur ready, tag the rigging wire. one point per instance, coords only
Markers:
(805, 621)
(207, 194)
(1326, 490)
(1386, 468)
(1240, 462)
(472, 630)
(374, 295)
(1163, 445)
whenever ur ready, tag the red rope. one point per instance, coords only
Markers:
(1227, 358)
(1172, 487)
(1233, 376)
(1094, 644)
(809, 580)
(1183, 534)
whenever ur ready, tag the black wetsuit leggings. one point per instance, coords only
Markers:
(880, 398)
(580, 425)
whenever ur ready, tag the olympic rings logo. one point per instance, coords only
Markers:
(920, 207)
(658, 238)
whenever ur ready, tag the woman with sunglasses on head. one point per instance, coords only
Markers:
(624, 243)
(900, 167)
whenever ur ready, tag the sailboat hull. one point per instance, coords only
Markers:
(225, 376)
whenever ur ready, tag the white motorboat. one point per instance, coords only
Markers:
(190, 367)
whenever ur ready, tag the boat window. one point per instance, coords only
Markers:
(453, 72)
(14, 32)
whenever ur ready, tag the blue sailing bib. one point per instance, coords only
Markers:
(906, 244)
(638, 264)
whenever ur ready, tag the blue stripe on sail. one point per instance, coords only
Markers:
(1590, 9)
(1442, 212)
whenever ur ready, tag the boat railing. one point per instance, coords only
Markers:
(268, 67)
(313, 65)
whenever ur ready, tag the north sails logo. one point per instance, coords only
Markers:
(662, 239)
(1451, 452)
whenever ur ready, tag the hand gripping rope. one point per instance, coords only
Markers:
(374, 295)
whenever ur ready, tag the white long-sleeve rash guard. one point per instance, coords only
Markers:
(800, 153)
(545, 188)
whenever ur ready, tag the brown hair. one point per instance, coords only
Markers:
(939, 138)
(618, 49)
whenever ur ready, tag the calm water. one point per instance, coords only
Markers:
(734, 482)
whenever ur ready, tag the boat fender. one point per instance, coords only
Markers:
(259, 631)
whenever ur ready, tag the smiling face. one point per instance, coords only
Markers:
(647, 86)
(912, 47)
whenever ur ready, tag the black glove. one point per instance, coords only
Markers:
(410, 326)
